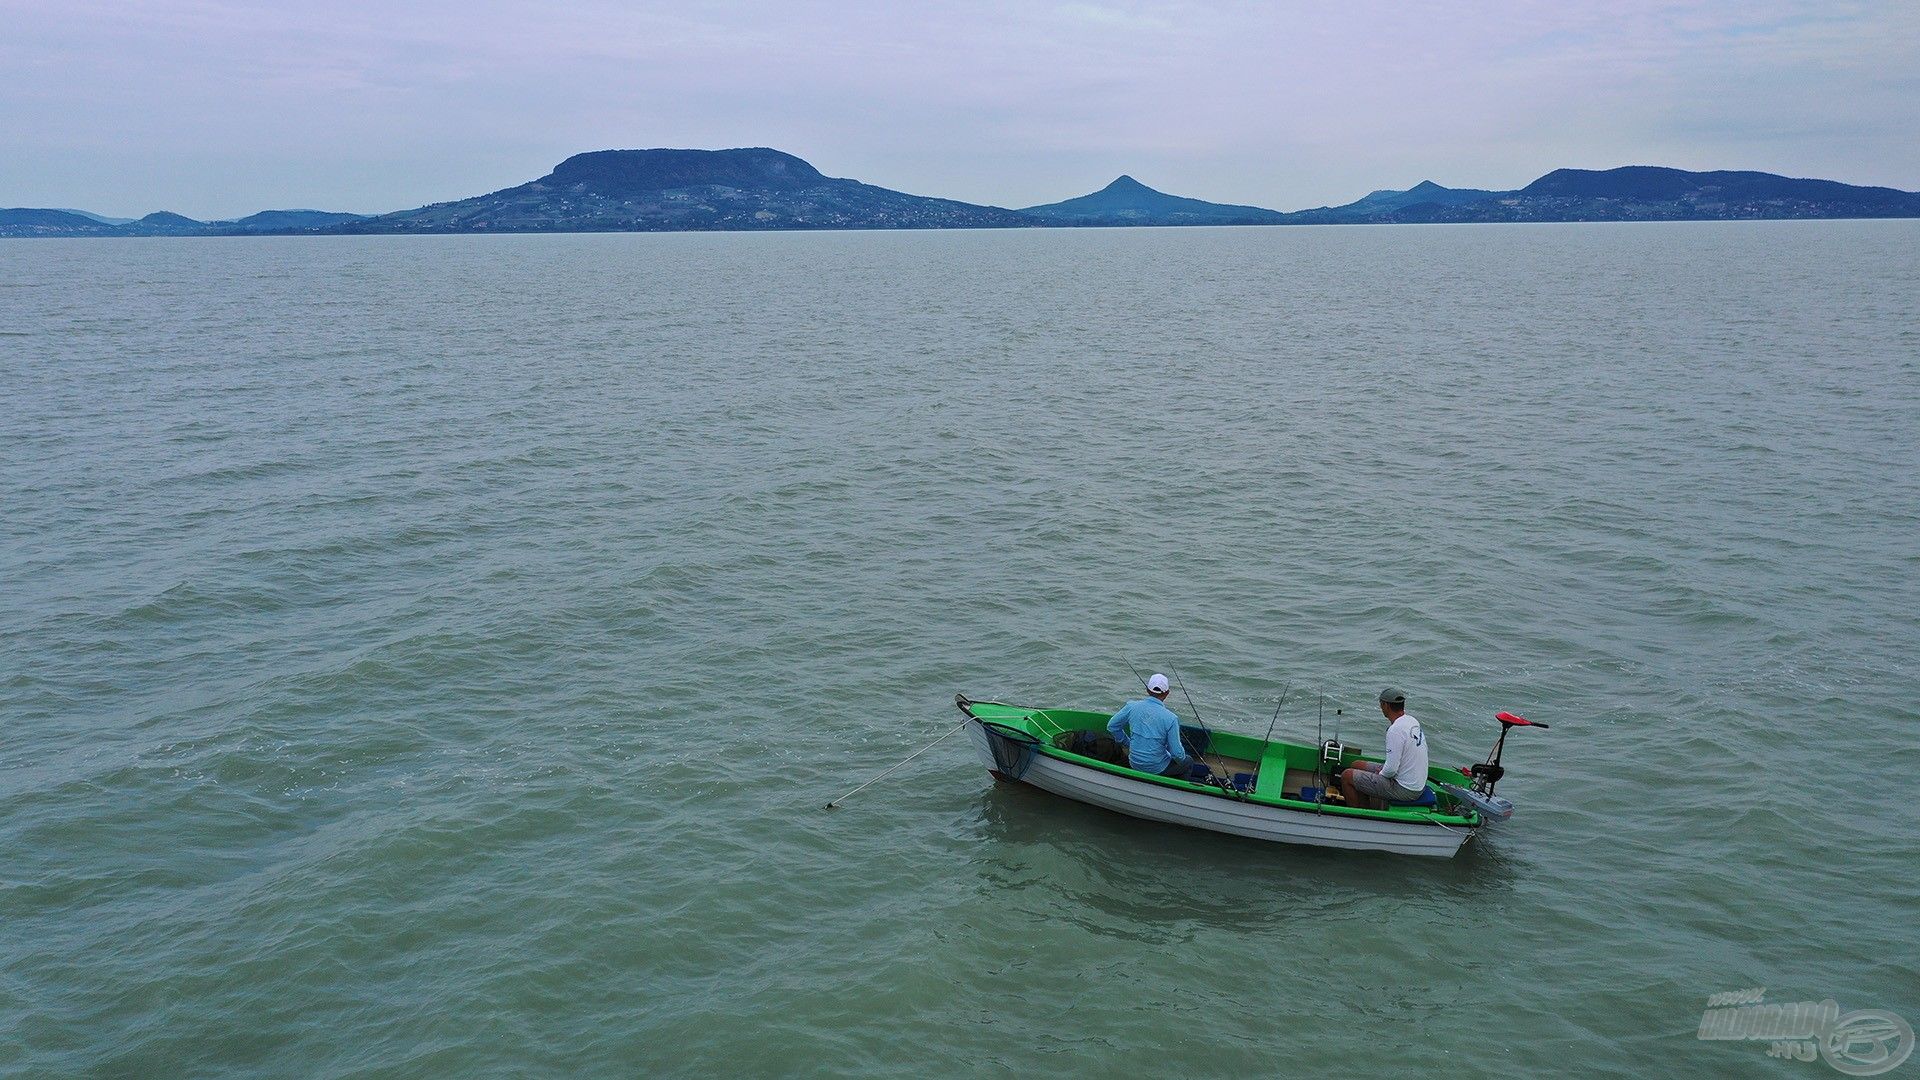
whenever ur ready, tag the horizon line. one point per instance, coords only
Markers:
(229, 218)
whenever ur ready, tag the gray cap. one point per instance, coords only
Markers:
(1390, 696)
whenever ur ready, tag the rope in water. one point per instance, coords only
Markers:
(897, 765)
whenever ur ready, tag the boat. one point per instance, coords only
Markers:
(1265, 789)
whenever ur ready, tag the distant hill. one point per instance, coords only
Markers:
(1127, 201)
(763, 189)
(164, 223)
(281, 221)
(40, 222)
(1650, 193)
(662, 190)
(101, 218)
(1652, 184)
(1381, 207)
(44, 222)
(29, 221)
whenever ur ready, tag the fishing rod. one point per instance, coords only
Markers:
(1196, 714)
(1189, 697)
(1268, 738)
(1220, 781)
(1322, 775)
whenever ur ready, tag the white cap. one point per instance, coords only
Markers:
(1157, 684)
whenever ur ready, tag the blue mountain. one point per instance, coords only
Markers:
(1653, 193)
(1127, 201)
(101, 218)
(678, 190)
(287, 221)
(759, 188)
(33, 221)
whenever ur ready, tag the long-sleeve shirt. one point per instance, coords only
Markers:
(1151, 733)
(1406, 762)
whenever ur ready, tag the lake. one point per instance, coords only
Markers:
(429, 656)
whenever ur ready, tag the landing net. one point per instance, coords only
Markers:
(1012, 749)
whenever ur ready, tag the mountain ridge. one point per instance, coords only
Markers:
(663, 189)
(1659, 193)
(1384, 206)
(33, 221)
(1127, 201)
(760, 188)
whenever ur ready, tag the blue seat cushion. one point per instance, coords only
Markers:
(1427, 798)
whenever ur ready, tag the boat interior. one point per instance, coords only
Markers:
(1267, 769)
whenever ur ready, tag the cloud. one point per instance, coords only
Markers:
(216, 107)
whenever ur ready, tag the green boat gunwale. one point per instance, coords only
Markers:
(1043, 727)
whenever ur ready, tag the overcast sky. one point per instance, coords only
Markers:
(215, 108)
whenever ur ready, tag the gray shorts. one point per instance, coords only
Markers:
(1379, 787)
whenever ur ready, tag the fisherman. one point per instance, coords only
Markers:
(1402, 778)
(1151, 732)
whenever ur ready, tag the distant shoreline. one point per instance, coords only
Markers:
(759, 189)
(931, 229)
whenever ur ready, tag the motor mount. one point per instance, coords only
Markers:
(1487, 773)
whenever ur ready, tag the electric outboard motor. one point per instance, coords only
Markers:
(1493, 809)
(1486, 774)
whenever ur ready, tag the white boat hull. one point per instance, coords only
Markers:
(1158, 802)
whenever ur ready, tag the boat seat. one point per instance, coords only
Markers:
(1427, 799)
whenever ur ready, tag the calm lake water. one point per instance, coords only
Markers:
(428, 657)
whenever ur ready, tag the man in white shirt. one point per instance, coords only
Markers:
(1402, 778)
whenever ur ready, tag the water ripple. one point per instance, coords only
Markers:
(428, 656)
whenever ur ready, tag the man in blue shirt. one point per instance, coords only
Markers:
(1151, 732)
